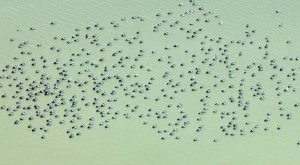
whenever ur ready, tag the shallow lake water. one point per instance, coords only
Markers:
(263, 33)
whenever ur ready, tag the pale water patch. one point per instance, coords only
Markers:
(128, 141)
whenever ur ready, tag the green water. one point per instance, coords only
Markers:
(128, 141)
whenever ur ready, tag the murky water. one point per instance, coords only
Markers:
(211, 83)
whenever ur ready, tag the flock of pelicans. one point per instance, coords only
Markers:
(173, 77)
